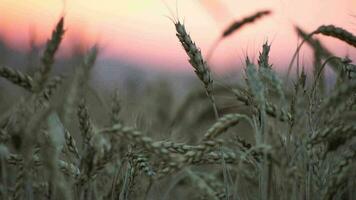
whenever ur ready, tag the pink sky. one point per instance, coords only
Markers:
(139, 30)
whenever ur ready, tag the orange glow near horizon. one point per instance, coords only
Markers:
(140, 32)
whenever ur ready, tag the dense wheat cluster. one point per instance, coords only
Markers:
(260, 138)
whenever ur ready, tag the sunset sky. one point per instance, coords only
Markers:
(140, 32)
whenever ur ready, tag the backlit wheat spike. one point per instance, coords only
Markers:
(236, 26)
(239, 24)
(317, 46)
(195, 57)
(314, 43)
(327, 30)
(51, 49)
(337, 32)
(263, 59)
(196, 60)
(17, 77)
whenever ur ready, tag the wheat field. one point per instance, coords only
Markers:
(266, 136)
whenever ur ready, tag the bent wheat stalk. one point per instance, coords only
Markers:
(327, 30)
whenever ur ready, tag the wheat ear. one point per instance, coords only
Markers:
(48, 55)
(196, 60)
(327, 30)
(235, 26)
(16, 77)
